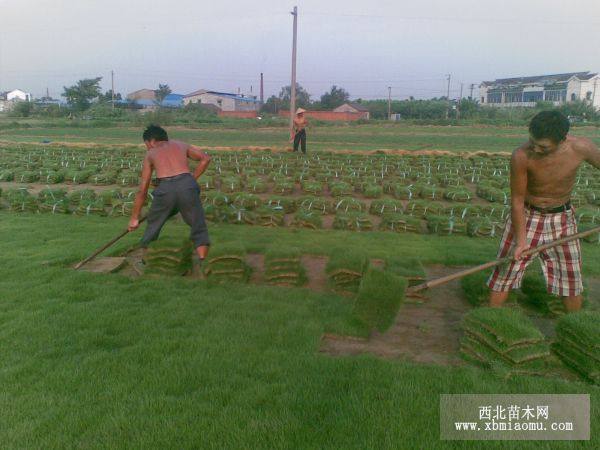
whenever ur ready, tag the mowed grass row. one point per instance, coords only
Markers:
(337, 137)
(102, 361)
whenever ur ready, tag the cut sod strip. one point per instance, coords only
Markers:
(227, 263)
(380, 296)
(578, 343)
(345, 270)
(283, 267)
(168, 257)
(504, 337)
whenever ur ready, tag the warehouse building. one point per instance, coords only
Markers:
(527, 91)
(225, 101)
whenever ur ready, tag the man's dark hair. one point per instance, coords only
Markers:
(155, 132)
(552, 125)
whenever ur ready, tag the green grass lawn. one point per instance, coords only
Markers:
(102, 361)
(375, 136)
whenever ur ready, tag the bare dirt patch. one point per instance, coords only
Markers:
(427, 332)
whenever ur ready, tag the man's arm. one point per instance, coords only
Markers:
(590, 151)
(518, 191)
(141, 196)
(198, 155)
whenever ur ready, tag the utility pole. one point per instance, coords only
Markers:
(459, 100)
(594, 93)
(448, 97)
(472, 87)
(262, 90)
(112, 87)
(293, 85)
(389, 103)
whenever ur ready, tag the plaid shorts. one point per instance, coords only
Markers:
(561, 265)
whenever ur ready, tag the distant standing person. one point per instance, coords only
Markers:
(177, 190)
(300, 124)
(543, 173)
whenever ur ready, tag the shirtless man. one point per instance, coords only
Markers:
(300, 124)
(543, 172)
(177, 190)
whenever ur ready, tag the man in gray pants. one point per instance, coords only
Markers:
(177, 191)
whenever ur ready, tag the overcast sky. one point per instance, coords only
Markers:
(363, 46)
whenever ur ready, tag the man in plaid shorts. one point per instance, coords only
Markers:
(543, 172)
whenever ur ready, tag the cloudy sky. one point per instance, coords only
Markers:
(363, 46)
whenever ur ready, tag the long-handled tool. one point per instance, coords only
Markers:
(497, 262)
(104, 247)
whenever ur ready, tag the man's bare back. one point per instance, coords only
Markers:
(550, 175)
(169, 158)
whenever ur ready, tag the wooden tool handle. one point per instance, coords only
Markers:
(497, 262)
(104, 247)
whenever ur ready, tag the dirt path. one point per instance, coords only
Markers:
(426, 332)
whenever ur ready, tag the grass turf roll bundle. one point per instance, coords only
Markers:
(422, 208)
(20, 200)
(404, 192)
(312, 187)
(78, 176)
(7, 175)
(267, 216)
(430, 192)
(578, 343)
(52, 177)
(77, 197)
(380, 296)
(340, 188)
(227, 263)
(445, 226)
(89, 207)
(284, 186)
(284, 268)
(246, 201)
(373, 190)
(476, 290)
(285, 204)
(237, 215)
(345, 270)
(315, 204)
(592, 238)
(308, 219)
(257, 185)
(354, 221)
(27, 177)
(400, 223)
(346, 204)
(504, 337)
(168, 257)
(231, 184)
(483, 227)
(217, 198)
(588, 215)
(383, 206)
(458, 194)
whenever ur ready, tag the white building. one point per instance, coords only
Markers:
(223, 100)
(527, 91)
(18, 95)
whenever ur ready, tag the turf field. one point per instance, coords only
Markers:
(105, 361)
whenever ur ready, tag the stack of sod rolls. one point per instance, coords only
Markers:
(504, 337)
(169, 257)
(283, 267)
(352, 221)
(345, 270)
(308, 219)
(227, 263)
(578, 343)
(380, 296)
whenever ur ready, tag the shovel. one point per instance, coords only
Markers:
(497, 262)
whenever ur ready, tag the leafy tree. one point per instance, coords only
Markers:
(80, 95)
(272, 105)
(302, 97)
(161, 93)
(107, 97)
(336, 96)
(579, 109)
(22, 109)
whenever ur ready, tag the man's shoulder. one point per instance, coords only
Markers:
(580, 143)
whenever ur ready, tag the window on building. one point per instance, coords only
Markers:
(220, 102)
(494, 97)
(533, 96)
(555, 95)
(588, 95)
(513, 97)
(573, 97)
(482, 99)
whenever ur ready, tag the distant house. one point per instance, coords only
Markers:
(225, 101)
(18, 95)
(527, 91)
(354, 108)
(146, 98)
